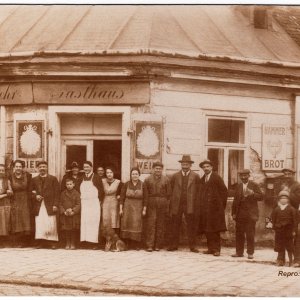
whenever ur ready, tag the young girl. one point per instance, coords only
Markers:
(69, 209)
(284, 219)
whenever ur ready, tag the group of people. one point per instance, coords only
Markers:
(95, 204)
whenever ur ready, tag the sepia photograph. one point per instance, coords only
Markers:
(149, 150)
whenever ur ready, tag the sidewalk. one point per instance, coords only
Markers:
(142, 273)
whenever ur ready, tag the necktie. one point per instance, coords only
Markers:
(206, 178)
(185, 173)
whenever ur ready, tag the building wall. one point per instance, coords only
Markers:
(184, 106)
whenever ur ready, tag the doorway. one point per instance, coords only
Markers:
(108, 153)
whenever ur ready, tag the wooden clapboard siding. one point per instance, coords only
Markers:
(223, 88)
(171, 161)
(221, 102)
(179, 114)
(9, 129)
(184, 145)
(257, 119)
(34, 109)
(186, 130)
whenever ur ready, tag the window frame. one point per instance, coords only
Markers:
(228, 146)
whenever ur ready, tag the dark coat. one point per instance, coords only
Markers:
(97, 181)
(77, 181)
(212, 200)
(250, 201)
(192, 193)
(50, 191)
(70, 199)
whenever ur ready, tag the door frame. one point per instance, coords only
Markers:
(54, 153)
(75, 142)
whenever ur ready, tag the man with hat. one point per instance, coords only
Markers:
(212, 201)
(159, 192)
(74, 174)
(245, 213)
(293, 188)
(185, 184)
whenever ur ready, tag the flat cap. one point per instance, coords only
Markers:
(157, 164)
(204, 162)
(244, 171)
(288, 170)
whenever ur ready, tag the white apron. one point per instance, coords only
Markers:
(90, 212)
(45, 226)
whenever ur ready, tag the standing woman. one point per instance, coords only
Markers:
(91, 190)
(5, 206)
(20, 211)
(111, 217)
(133, 204)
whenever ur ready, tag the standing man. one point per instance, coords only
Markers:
(184, 200)
(293, 187)
(159, 191)
(101, 172)
(245, 213)
(45, 206)
(213, 199)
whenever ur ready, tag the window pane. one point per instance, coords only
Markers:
(216, 156)
(235, 163)
(226, 131)
(76, 153)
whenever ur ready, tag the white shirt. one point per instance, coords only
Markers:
(88, 175)
(282, 206)
(245, 185)
(207, 177)
(186, 174)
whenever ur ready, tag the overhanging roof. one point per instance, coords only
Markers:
(220, 31)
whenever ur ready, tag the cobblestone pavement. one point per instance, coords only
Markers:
(27, 290)
(143, 273)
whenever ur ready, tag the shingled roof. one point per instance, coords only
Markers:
(289, 19)
(189, 30)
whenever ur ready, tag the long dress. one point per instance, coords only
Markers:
(5, 207)
(90, 212)
(20, 211)
(132, 198)
(111, 218)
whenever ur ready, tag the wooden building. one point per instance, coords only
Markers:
(127, 85)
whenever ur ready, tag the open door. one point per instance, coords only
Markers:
(76, 150)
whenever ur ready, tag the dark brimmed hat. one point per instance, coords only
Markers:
(244, 171)
(186, 158)
(74, 164)
(157, 164)
(288, 170)
(205, 161)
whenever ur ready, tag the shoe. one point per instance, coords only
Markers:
(156, 249)
(194, 250)
(296, 265)
(280, 263)
(207, 252)
(237, 255)
(67, 247)
(250, 256)
(216, 253)
(72, 247)
(149, 249)
(172, 249)
(53, 247)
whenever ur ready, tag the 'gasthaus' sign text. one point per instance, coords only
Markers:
(274, 147)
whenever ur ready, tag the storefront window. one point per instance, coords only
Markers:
(226, 131)
(226, 148)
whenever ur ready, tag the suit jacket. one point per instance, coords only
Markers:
(212, 200)
(50, 191)
(192, 193)
(250, 201)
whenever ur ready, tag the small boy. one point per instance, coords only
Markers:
(70, 213)
(284, 219)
